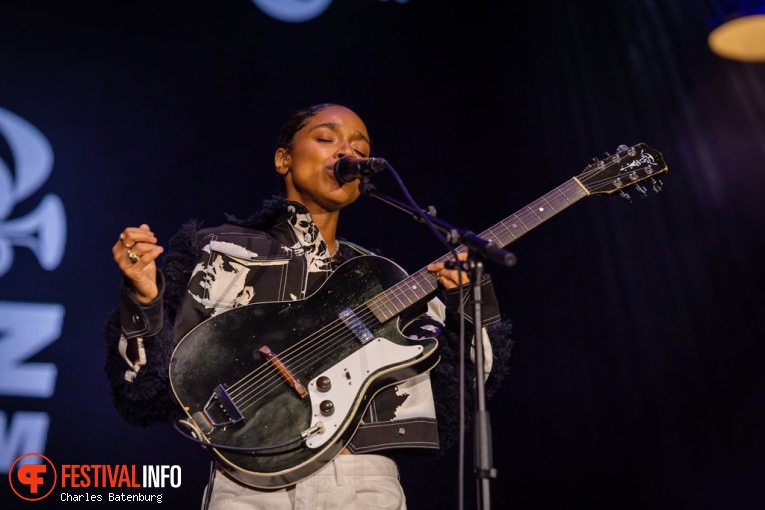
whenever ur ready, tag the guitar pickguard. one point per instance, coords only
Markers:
(346, 379)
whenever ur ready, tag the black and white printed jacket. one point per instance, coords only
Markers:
(279, 255)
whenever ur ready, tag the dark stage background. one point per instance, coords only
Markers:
(636, 379)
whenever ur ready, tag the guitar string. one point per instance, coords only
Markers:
(285, 356)
(548, 199)
(364, 313)
(523, 215)
(294, 361)
(326, 346)
(306, 356)
(393, 292)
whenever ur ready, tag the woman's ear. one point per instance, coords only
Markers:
(282, 161)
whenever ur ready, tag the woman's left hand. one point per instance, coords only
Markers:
(450, 278)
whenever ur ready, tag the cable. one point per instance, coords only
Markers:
(239, 449)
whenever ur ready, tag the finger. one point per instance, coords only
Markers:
(456, 278)
(132, 235)
(145, 253)
(435, 267)
(446, 282)
(143, 257)
(449, 278)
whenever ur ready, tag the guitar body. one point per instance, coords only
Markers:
(256, 376)
(287, 383)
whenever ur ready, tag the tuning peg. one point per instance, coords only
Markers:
(642, 191)
(657, 184)
(625, 196)
(598, 163)
(624, 148)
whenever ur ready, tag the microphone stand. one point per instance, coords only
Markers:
(478, 250)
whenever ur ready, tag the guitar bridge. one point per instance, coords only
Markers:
(219, 411)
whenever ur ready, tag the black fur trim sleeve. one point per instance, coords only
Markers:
(446, 375)
(490, 312)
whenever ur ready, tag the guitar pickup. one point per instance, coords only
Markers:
(355, 325)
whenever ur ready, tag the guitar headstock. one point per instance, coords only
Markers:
(628, 167)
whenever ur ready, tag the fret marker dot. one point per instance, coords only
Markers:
(541, 209)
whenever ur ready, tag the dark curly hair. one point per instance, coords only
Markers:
(296, 121)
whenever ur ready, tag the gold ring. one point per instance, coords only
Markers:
(132, 256)
(122, 240)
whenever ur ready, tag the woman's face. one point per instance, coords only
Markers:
(308, 167)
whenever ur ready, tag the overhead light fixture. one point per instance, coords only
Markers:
(738, 33)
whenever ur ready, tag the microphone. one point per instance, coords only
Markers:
(349, 168)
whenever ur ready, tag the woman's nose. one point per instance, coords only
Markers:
(344, 149)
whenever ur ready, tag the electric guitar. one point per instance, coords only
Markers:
(276, 390)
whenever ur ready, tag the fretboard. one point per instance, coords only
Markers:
(414, 288)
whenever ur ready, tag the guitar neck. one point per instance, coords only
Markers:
(417, 286)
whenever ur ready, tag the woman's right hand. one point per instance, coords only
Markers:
(135, 252)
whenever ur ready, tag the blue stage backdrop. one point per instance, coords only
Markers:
(637, 375)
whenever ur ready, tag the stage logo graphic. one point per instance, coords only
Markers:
(44, 229)
(293, 11)
(33, 477)
(299, 11)
(27, 327)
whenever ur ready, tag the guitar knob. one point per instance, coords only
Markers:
(323, 383)
(326, 408)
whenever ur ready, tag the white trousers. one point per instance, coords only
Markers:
(349, 482)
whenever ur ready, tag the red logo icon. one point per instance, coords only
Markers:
(34, 479)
